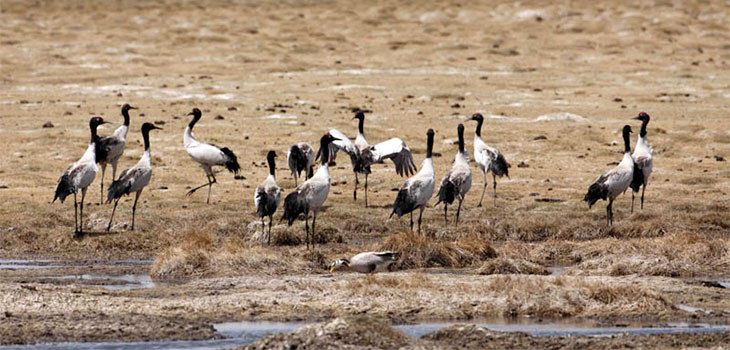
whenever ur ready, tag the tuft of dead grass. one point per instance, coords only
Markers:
(501, 266)
(419, 251)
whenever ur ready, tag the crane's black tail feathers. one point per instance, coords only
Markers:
(595, 192)
(293, 206)
(447, 192)
(231, 160)
(390, 255)
(117, 189)
(500, 167)
(267, 205)
(64, 188)
(300, 160)
(638, 178)
(403, 204)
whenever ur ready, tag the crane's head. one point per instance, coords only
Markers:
(271, 155)
(643, 117)
(360, 115)
(96, 121)
(477, 116)
(339, 264)
(627, 130)
(146, 127)
(460, 129)
(196, 113)
(430, 132)
(327, 138)
(126, 107)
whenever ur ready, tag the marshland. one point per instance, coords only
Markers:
(555, 83)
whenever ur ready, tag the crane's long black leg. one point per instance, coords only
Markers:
(263, 228)
(109, 227)
(632, 201)
(101, 194)
(81, 209)
(484, 189)
(494, 183)
(609, 212)
(210, 186)
(366, 190)
(643, 188)
(446, 218)
(271, 218)
(306, 227)
(354, 192)
(134, 208)
(411, 221)
(199, 187)
(419, 220)
(76, 214)
(458, 211)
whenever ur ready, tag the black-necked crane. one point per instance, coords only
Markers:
(134, 179)
(207, 155)
(367, 262)
(643, 160)
(300, 157)
(80, 175)
(418, 189)
(615, 181)
(268, 195)
(457, 182)
(311, 194)
(113, 146)
(363, 155)
(489, 159)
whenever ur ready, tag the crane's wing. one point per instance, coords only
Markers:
(396, 150)
(344, 144)
(494, 161)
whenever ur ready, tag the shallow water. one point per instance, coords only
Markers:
(243, 333)
(131, 281)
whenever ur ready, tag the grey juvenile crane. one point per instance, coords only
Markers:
(457, 182)
(207, 155)
(268, 195)
(134, 179)
(311, 194)
(643, 161)
(80, 175)
(613, 182)
(489, 159)
(113, 146)
(363, 155)
(418, 189)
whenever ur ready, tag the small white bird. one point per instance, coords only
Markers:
(368, 262)
(489, 159)
(457, 182)
(613, 182)
(311, 194)
(418, 189)
(300, 158)
(643, 161)
(268, 195)
(113, 148)
(207, 155)
(134, 179)
(363, 155)
(80, 175)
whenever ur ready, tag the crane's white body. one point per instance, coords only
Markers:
(642, 156)
(420, 186)
(83, 171)
(314, 191)
(460, 174)
(205, 154)
(618, 179)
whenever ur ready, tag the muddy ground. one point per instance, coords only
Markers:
(556, 83)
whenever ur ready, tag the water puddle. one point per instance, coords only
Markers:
(11, 264)
(32, 264)
(110, 282)
(242, 333)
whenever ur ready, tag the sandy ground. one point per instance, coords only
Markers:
(280, 73)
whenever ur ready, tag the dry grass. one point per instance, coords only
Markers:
(502, 266)
(419, 251)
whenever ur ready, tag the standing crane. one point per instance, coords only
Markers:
(418, 189)
(134, 179)
(113, 146)
(300, 157)
(268, 195)
(613, 182)
(311, 194)
(643, 160)
(488, 159)
(80, 175)
(457, 182)
(207, 155)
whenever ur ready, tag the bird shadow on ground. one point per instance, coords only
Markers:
(92, 234)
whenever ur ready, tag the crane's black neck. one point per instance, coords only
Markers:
(461, 138)
(627, 142)
(479, 127)
(146, 137)
(125, 114)
(644, 123)
(272, 165)
(94, 135)
(324, 151)
(196, 117)
(361, 125)
(429, 144)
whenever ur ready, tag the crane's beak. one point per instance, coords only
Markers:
(106, 122)
(191, 113)
(335, 139)
(636, 117)
(132, 107)
(156, 127)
